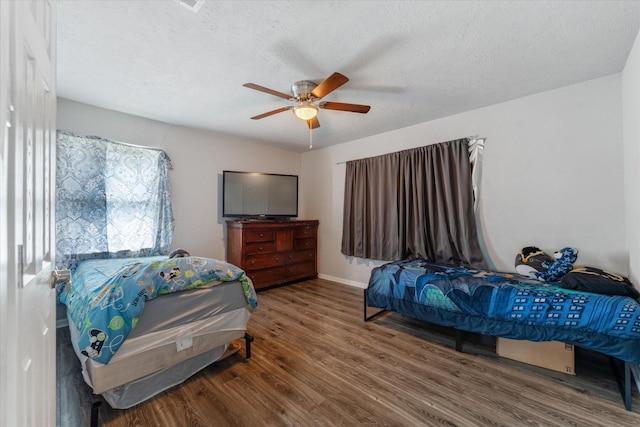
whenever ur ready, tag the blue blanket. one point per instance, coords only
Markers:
(107, 296)
(507, 305)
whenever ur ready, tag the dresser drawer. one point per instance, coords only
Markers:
(301, 256)
(259, 236)
(302, 269)
(304, 243)
(303, 232)
(259, 248)
(258, 262)
(284, 240)
(267, 277)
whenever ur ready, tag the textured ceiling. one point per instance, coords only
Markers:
(412, 61)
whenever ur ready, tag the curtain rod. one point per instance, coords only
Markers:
(101, 138)
(470, 138)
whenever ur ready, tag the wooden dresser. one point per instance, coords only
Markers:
(273, 252)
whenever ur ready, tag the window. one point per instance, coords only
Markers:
(112, 200)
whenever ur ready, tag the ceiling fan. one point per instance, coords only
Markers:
(305, 93)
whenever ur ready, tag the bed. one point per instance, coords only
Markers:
(142, 325)
(510, 306)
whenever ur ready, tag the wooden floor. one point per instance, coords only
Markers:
(315, 362)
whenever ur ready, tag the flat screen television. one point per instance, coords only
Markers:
(259, 195)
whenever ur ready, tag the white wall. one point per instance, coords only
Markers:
(552, 177)
(198, 159)
(631, 136)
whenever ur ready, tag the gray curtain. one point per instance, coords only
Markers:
(415, 203)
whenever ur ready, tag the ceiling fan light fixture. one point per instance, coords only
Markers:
(305, 110)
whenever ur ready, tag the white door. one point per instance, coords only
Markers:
(27, 171)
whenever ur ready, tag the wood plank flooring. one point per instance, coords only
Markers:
(315, 362)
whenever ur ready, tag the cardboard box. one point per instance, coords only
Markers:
(554, 355)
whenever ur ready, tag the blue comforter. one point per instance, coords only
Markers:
(107, 296)
(507, 305)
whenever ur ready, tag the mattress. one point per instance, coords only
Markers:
(141, 325)
(108, 297)
(188, 306)
(191, 323)
(507, 305)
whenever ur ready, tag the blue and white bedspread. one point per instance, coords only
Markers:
(507, 305)
(107, 296)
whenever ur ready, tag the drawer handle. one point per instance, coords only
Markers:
(253, 262)
(260, 248)
(261, 235)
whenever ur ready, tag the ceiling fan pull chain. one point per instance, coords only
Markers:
(310, 138)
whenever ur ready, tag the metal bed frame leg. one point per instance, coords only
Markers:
(377, 313)
(248, 339)
(95, 410)
(459, 340)
(624, 381)
(459, 332)
(627, 386)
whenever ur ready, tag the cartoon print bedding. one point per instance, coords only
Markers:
(107, 296)
(507, 305)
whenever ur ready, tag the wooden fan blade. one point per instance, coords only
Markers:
(341, 106)
(267, 90)
(271, 113)
(313, 123)
(331, 83)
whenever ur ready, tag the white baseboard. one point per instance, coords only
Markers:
(343, 281)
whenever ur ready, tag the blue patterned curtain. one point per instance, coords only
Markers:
(112, 200)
